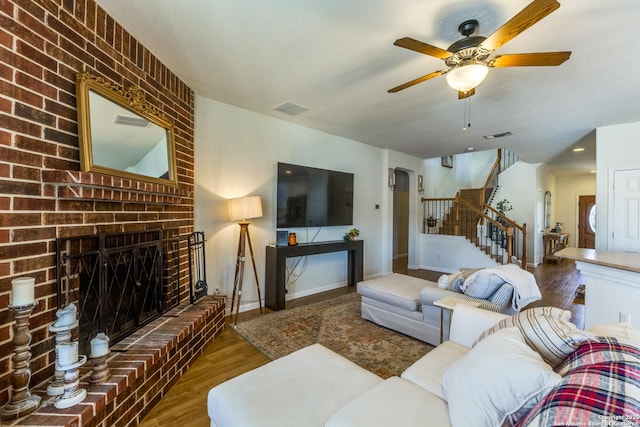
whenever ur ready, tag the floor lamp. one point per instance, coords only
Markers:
(241, 209)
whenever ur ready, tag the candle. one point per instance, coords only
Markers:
(22, 291)
(99, 345)
(67, 353)
(66, 316)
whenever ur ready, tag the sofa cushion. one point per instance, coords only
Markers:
(427, 372)
(602, 389)
(623, 332)
(482, 285)
(500, 378)
(547, 330)
(304, 388)
(395, 402)
(396, 289)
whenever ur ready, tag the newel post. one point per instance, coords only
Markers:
(509, 243)
(456, 225)
(524, 247)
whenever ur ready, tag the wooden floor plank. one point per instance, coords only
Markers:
(230, 355)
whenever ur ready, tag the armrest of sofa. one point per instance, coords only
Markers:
(468, 323)
(499, 302)
(430, 294)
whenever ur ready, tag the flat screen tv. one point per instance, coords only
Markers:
(312, 197)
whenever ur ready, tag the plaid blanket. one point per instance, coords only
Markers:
(601, 387)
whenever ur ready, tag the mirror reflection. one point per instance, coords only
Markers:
(120, 134)
(126, 141)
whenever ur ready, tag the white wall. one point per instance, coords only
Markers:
(616, 148)
(236, 152)
(440, 182)
(470, 170)
(450, 253)
(519, 185)
(568, 189)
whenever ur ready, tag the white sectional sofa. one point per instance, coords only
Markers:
(315, 387)
(500, 378)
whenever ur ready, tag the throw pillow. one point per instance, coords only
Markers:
(622, 331)
(482, 285)
(606, 393)
(601, 349)
(496, 381)
(547, 330)
(451, 282)
(443, 282)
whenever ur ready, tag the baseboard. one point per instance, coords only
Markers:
(440, 269)
(252, 305)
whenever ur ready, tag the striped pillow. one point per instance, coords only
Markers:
(503, 296)
(547, 330)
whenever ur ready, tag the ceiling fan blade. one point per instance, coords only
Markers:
(416, 81)
(530, 59)
(418, 46)
(534, 12)
(467, 94)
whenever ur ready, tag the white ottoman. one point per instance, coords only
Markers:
(393, 301)
(304, 388)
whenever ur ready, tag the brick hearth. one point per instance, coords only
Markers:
(143, 367)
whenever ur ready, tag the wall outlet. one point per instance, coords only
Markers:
(625, 318)
(216, 291)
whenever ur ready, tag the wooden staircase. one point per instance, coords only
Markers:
(470, 214)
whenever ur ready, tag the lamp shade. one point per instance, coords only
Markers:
(243, 208)
(467, 76)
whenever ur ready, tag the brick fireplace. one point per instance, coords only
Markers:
(44, 195)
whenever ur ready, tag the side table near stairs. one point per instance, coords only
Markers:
(554, 242)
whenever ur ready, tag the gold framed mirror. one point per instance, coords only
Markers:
(121, 134)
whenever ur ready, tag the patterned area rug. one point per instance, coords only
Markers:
(336, 324)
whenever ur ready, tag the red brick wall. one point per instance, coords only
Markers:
(43, 44)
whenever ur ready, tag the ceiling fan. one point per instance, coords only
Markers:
(469, 58)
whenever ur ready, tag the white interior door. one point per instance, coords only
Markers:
(625, 234)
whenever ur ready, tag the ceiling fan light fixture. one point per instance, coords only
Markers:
(467, 76)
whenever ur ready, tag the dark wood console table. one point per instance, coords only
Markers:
(274, 292)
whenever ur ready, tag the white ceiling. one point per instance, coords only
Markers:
(336, 58)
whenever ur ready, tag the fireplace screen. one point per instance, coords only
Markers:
(119, 282)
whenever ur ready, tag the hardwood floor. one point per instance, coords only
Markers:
(230, 355)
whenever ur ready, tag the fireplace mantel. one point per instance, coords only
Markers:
(67, 184)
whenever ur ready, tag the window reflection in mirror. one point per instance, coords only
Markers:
(126, 141)
(122, 135)
(547, 209)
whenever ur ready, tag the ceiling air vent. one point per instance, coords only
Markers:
(291, 108)
(131, 121)
(497, 135)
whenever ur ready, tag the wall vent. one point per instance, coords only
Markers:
(498, 135)
(291, 108)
